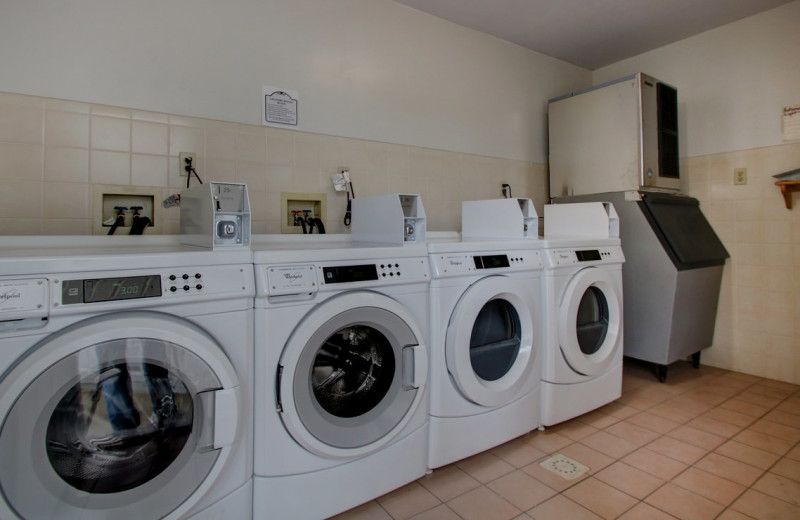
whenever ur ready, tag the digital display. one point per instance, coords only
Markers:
(111, 289)
(350, 273)
(491, 261)
(590, 255)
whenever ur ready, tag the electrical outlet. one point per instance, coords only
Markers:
(740, 176)
(183, 157)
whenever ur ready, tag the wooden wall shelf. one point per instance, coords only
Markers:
(787, 188)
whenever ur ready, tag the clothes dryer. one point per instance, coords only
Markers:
(341, 403)
(485, 344)
(125, 379)
(582, 362)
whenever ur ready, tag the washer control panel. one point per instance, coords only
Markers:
(583, 256)
(456, 264)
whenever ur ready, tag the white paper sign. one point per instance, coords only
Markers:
(791, 123)
(279, 107)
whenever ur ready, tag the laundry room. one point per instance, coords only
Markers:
(102, 101)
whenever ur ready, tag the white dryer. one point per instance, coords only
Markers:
(485, 345)
(582, 362)
(341, 372)
(125, 379)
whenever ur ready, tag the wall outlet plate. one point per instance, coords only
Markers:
(182, 162)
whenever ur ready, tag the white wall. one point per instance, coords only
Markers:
(733, 81)
(370, 69)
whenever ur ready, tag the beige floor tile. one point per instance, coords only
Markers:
(695, 437)
(574, 430)
(654, 463)
(764, 441)
(408, 501)
(609, 444)
(682, 503)
(746, 408)
(598, 419)
(562, 508)
(785, 418)
(794, 453)
(448, 482)
(642, 511)
(485, 467)
(600, 498)
(630, 480)
(708, 485)
(518, 453)
(441, 512)
(749, 455)
(791, 406)
(677, 450)
(780, 487)
(759, 399)
(482, 503)
(774, 429)
(547, 441)
(771, 389)
(587, 456)
(730, 514)
(787, 468)
(674, 412)
(369, 511)
(717, 427)
(521, 490)
(730, 416)
(653, 423)
(729, 468)
(704, 396)
(764, 507)
(691, 406)
(620, 411)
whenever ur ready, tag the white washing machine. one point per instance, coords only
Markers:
(485, 300)
(126, 379)
(582, 362)
(341, 372)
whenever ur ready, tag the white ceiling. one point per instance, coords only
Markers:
(592, 33)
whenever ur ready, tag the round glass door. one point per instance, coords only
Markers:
(112, 417)
(489, 347)
(350, 375)
(590, 321)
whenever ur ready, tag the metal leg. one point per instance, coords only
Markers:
(696, 360)
(662, 372)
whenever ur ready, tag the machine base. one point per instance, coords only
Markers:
(321, 494)
(455, 438)
(238, 504)
(561, 402)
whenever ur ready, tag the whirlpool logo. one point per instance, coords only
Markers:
(10, 295)
(292, 277)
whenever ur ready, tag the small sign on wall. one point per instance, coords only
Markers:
(791, 123)
(279, 107)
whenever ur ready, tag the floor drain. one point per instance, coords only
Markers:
(564, 466)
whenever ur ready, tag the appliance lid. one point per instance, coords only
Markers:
(683, 231)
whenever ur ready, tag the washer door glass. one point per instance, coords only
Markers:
(112, 417)
(590, 321)
(496, 340)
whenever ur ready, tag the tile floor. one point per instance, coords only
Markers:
(706, 444)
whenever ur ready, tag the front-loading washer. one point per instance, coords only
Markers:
(582, 361)
(485, 345)
(341, 371)
(126, 379)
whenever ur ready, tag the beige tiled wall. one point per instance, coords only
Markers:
(758, 323)
(52, 152)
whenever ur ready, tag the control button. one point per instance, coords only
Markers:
(173, 277)
(198, 275)
(391, 274)
(397, 265)
(173, 288)
(382, 266)
(185, 276)
(398, 273)
(186, 287)
(198, 286)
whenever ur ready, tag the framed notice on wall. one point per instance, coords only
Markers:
(791, 123)
(279, 107)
